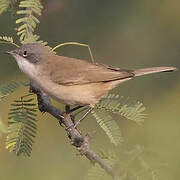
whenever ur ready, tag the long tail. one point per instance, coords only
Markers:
(140, 72)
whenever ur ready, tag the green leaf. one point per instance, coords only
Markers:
(114, 104)
(129, 163)
(22, 20)
(24, 12)
(7, 40)
(22, 127)
(5, 4)
(125, 107)
(109, 126)
(35, 19)
(9, 88)
(30, 9)
(8, 5)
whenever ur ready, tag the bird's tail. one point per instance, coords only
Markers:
(140, 72)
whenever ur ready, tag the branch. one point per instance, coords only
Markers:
(82, 143)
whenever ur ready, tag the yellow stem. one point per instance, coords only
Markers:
(75, 43)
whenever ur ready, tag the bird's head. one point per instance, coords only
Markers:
(34, 53)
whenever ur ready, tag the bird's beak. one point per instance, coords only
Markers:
(9, 52)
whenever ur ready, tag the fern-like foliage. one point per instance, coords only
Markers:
(22, 126)
(30, 9)
(125, 107)
(7, 40)
(136, 165)
(6, 5)
(109, 126)
(114, 104)
(9, 88)
(129, 164)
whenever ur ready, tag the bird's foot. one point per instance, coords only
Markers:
(61, 120)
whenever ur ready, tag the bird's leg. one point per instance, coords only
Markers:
(88, 111)
(68, 111)
(75, 108)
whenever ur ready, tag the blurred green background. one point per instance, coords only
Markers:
(128, 34)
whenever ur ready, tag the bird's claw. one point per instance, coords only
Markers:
(60, 120)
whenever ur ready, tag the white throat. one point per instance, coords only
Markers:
(25, 66)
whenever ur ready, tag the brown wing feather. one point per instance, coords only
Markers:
(71, 71)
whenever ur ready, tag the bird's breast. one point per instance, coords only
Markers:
(85, 94)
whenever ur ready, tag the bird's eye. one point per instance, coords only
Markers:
(25, 54)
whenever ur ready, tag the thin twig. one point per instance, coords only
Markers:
(75, 43)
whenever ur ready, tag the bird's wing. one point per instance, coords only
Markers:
(71, 71)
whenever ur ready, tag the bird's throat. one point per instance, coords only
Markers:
(30, 69)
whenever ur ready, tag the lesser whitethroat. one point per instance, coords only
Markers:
(72, 81)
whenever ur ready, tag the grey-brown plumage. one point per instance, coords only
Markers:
(70, 80)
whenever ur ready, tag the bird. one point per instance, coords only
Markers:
(73, 81)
